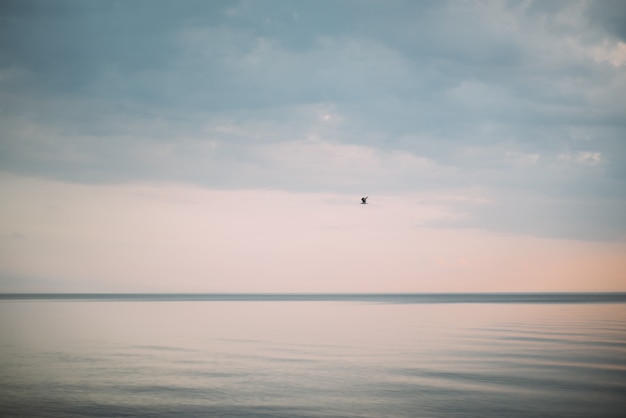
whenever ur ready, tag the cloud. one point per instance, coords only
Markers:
(586, 158)
(521, 212)
(511, 98)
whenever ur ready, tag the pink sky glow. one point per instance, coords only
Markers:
(155, 237)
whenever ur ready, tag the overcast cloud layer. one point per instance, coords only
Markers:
(513, 112)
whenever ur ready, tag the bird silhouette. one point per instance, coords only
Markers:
(364, 200)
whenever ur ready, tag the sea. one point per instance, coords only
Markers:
(313, 355)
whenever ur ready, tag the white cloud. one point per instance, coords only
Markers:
(584, 158)
(612, 52)
(347, 166)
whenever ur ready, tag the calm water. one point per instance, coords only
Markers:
(313, 355)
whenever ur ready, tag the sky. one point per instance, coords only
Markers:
(224, 146)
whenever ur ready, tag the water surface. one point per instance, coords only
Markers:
(528, 355)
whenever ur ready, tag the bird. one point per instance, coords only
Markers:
(364, 200)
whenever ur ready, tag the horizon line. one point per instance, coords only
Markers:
(474, 297)
(311, 293)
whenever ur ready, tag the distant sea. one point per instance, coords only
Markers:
(313, 355)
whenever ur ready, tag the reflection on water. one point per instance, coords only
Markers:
(311, 358)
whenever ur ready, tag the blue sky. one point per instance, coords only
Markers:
(504, 118)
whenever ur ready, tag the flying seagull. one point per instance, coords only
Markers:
(364, 200)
